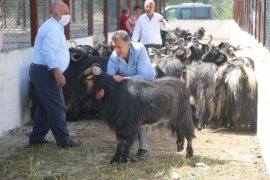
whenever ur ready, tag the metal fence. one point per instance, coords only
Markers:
(267, 26)
(253, 16)
(79, 19)
(15, 25)
(88, 17)
(98, 18)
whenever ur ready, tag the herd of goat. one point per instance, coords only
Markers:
(222, 86)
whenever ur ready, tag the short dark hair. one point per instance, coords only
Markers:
(137, 7)
(121, 34)
(125, 10)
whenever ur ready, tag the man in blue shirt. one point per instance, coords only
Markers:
(51, 58)
(130, 60)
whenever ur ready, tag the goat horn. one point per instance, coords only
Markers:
(96, 70)
(74, 42)
(211, 38)
(73, 58)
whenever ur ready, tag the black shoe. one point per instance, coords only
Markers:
(43, 141)
(140, 155)
(70, 143)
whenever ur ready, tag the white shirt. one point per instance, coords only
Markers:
(148, 31)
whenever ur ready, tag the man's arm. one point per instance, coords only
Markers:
(130, 30)
(137, 31)
(112, 66)
(49, 47)
(60, 78)
(163, 23)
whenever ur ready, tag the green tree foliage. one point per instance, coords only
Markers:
(222, 9)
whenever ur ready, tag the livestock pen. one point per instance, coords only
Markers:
(14, 74)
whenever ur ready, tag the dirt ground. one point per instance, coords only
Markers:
(240, 151)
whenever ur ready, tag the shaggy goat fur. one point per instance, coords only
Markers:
(200, 81)
(130, 104)
(238, 104)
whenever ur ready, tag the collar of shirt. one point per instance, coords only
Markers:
(130, 56)
(154, 17)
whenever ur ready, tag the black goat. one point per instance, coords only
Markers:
(130, 104)
(215, 55)
(200, 79)
(236, 105)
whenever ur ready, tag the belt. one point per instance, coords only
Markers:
(152, 44)
(39, 66)
(157, 46)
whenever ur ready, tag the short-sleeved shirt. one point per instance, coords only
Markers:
(138, 67)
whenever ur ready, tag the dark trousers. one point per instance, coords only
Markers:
(50, 112)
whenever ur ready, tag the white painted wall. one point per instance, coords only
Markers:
(82, 41)
(219, 29)
(261, 57)
(14, 68)
(14, 77)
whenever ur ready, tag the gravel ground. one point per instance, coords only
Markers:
(240, 151)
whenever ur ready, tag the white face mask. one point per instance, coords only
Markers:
(64, 20)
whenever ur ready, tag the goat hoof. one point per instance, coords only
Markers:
(179, 149)
(189, 155)
(118, 162)
(180, 146)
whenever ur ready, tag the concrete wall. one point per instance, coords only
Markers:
(219, 29)
(14, 80)
(261, 58)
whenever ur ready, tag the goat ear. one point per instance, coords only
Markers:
(96, 70)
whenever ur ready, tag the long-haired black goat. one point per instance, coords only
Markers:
(200, 78)
(130, 104)
(237, 105)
